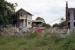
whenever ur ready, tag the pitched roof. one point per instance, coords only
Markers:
(24, 11)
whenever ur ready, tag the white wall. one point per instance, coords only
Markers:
(29, 21)
(72, 19)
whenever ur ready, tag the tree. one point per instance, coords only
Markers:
(43, 22)
(6, 9)
(62, 20)
(56, 25)
(41, 19)
(46, 25)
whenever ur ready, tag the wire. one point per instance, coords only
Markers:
(56, 20)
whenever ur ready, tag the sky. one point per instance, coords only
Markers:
(51, 10)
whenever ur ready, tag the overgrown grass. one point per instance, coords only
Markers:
(33, 42)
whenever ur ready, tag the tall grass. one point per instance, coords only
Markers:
(31, 41)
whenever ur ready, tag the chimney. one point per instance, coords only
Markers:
(66, 10)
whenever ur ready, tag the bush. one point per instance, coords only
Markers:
(32, 42)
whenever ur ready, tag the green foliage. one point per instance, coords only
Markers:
(56, 25)
(46, 25)
(32, 42)
(6, 9)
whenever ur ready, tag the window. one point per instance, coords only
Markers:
(21, 14)
(74, 24)
(29, 23)
(26, 21)
(68, 24)
(74, 14)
